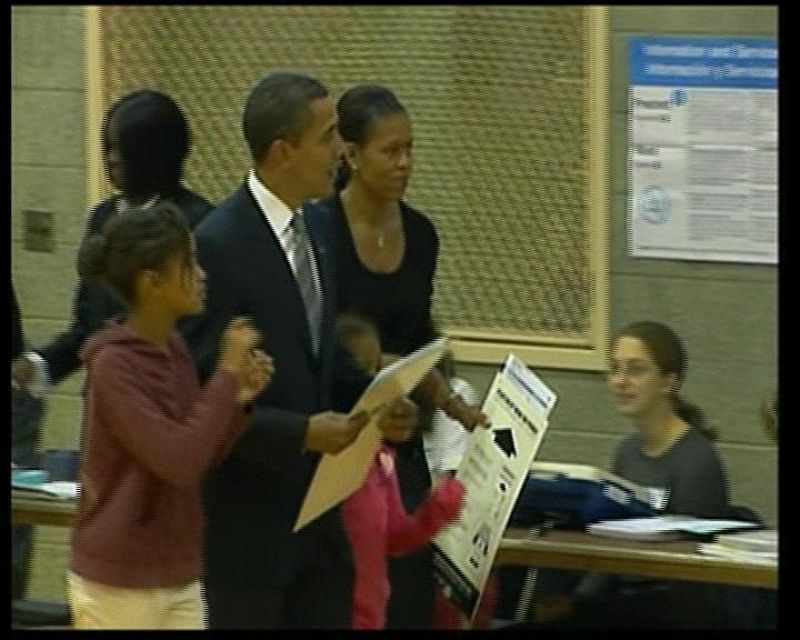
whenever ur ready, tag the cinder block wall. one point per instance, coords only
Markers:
(48, 174)
(727, 313)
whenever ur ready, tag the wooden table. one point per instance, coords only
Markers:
(675, 560)
(577, 550)
(31, 510)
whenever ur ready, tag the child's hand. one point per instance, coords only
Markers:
(260, 369)
(238, 340)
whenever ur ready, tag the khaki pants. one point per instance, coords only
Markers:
(99, 606)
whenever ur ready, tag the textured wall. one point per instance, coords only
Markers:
(726, 312)
(497, 101)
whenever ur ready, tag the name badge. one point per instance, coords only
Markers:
(658, 497)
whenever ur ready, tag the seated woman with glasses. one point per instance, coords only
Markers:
(671, 454)
(670, 451)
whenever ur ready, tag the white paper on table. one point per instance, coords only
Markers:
(719, 551)
(493, 470)
(665, 527)
(339, 475)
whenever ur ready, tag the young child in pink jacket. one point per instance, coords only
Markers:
(375, 520)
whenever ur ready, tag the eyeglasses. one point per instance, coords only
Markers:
(631, 370)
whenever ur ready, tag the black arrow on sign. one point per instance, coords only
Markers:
(504, 439)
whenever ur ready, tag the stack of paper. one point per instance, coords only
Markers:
(668, 527)
(751, 546)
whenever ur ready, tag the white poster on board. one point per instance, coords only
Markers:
(493, 469)
(703, 155)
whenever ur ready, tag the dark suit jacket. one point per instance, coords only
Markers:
(94, 303)
(253, 498)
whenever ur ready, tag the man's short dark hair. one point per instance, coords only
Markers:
(278, 107)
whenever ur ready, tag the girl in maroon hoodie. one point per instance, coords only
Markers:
(374, 518)
(149, 430)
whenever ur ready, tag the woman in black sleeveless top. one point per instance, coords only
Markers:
(385, 254)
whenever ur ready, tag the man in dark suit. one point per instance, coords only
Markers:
(261, 261)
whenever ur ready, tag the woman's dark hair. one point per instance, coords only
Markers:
(278, 107)
(356, 112)
(154, 140)
(669, 354)
(131, 242)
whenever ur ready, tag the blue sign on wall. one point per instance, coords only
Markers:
(704, 62)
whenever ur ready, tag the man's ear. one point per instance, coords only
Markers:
(278, 152)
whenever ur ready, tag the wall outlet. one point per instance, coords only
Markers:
(39, 234)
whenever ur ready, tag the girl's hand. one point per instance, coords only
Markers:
(259, 371)
(238, 340)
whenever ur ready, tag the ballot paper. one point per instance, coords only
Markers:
(339, 475)
(493, 469)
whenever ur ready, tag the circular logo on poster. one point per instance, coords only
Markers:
(654, 205)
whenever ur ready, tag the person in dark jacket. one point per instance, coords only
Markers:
(145, 142)
(264, 259)
(26, 418)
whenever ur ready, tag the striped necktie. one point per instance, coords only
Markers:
(299, 250)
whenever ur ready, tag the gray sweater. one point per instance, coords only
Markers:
(687, 479)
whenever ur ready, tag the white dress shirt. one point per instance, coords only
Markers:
(279, 216)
